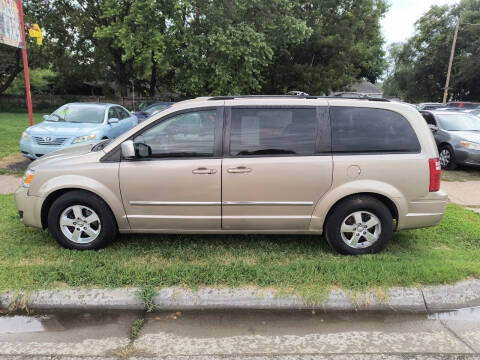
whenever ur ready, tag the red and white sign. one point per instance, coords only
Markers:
(10, 24)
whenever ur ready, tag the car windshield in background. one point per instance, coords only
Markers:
(152, 109)
(79, 114)
(459, 122)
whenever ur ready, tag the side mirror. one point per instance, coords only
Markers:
(128, 149)
(46, 117)
(113, 121)
(433, 128)
(142, 150)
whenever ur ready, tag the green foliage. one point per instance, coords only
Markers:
(147, 295)
(40, 82)
(205, 47)
(420, 65)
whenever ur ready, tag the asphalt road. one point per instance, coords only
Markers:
(242, 335)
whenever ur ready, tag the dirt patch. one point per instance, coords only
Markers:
(14, 164)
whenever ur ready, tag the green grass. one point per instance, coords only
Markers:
(30, 259)
(12, 125)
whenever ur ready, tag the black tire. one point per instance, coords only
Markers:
(348, 206)
(107, 229)
(451, 165)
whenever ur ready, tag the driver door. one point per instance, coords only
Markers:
(178, 185)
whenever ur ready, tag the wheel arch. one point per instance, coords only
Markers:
(54, 194)
(386, 193)
(392, 207)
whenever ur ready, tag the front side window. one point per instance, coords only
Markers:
(366, 130)
(185, 135)
(122, 114)
(429, 118)
(112, 113)
(257, 132)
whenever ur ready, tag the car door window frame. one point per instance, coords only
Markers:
(323, 138)
(218, 130)
(122, 112)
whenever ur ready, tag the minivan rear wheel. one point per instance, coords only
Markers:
(359, 225)
(81, 220)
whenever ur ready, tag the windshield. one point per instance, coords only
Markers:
(79, 114)
(150, 110)
(459, 122)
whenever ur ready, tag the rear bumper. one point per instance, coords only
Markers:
(29, 207)
(424, 212)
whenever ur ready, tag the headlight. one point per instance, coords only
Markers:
(28, 178)
(471, 145)
(84, 138)
(25, 136)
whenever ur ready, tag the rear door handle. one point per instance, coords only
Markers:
(239, 170)
(204, 171)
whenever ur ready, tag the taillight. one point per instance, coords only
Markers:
(435, 174)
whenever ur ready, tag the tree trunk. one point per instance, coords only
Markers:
(14, 71)
(153, 76)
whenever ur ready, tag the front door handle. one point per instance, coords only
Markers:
(239, 170)
(204, 171)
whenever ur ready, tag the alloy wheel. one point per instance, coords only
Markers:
(80, 224)
(360, 229)
(445, 157)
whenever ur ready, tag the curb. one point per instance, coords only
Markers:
(423, 299)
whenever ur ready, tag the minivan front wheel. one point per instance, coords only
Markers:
(359, 225)
(81, 220)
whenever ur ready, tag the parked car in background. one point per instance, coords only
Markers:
(475, 112)
(463, 105)
(457, 135)
(353, 169)
(73, 124)
(429, 106)
(148, 111)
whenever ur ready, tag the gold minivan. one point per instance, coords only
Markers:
(353, 169)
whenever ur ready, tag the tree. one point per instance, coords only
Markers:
(420, 65)
(345, 45)
(10, 66)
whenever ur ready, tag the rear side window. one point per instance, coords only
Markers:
(367, 130)
(272, 131)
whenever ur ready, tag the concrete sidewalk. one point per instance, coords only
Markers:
(9, 183)
(463, 193)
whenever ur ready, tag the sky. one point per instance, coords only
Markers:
(398, 24)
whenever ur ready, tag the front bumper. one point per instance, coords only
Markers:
(464, 156)
(33, 151)
(29, 207)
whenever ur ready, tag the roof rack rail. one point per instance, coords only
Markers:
(233, 97)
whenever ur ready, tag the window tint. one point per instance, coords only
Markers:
(429, 118)
(273, 131)
(122, 114)
(184, 135)
(371, 130)
(112, 113)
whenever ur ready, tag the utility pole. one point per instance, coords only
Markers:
(452, 54)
